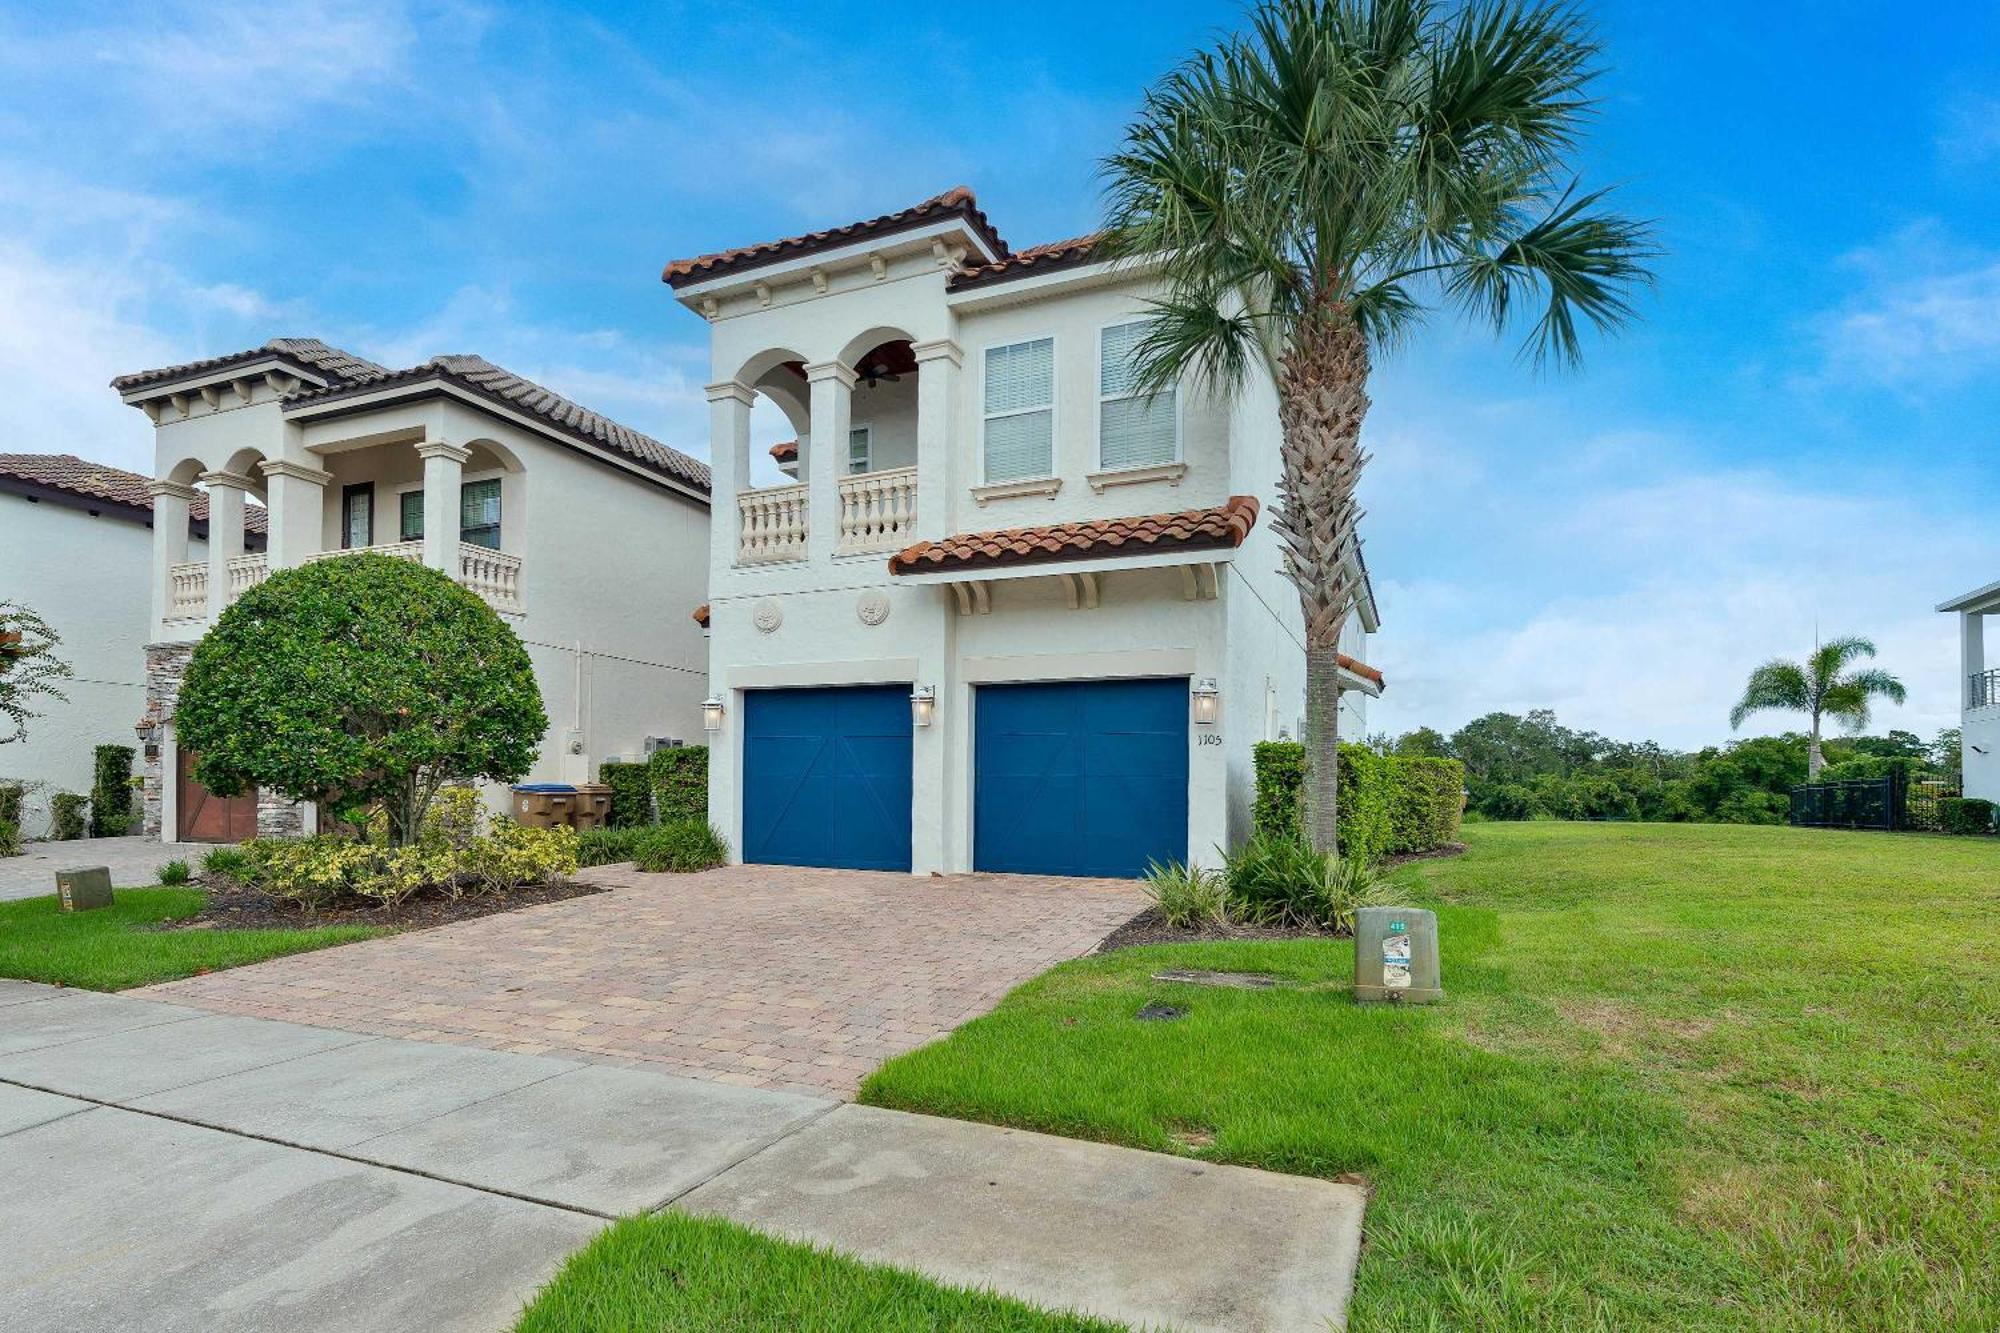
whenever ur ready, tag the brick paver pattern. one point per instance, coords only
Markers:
(765, 976)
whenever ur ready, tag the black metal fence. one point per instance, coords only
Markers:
(1892, 803)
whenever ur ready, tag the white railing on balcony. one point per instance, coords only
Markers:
(772, 524)
(410, 551)
(187, 590)
(494, 575)
(246, 572)
(878, 510)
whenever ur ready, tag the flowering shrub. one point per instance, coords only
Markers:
(461, 850)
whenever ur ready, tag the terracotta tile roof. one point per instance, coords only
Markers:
(1050, 258)
(495, 382)
(701, 615)
(312, 354)
(1225, 525)
(97, 481)
(1360, 668)
(785, 450)
(956, 202)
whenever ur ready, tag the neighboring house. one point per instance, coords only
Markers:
(586, 536)
(74, 546)
(1010, 616)
(1979, 722)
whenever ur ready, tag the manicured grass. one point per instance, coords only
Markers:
(670, 1272)
(114, 948)
(1685, 1077)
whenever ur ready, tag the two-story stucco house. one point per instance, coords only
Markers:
(1010, 615)
(74, 546)
(586, 536)
(1979, 720)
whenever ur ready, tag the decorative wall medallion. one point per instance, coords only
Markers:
(769, 615)
(873, 608)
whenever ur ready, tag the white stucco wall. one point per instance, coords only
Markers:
(88, 578)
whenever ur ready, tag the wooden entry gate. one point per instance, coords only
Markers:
(202, 816)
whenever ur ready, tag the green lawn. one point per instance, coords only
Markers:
(1686, 1077)
(670, 1272)
(114, 948)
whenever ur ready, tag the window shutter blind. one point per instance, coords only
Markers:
(1132, 430)
(479, 513)
(413, 516)
(1020, 420)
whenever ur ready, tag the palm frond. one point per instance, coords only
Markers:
(1776, 684)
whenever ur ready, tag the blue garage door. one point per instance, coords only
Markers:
(826, 777)
(1080, 777)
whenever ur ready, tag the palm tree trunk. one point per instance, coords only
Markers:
(1815, 760)
(1322, 401)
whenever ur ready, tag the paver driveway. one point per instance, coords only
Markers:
(766, 976)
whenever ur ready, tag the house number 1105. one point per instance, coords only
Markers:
(1208, 738)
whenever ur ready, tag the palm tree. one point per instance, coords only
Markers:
(1308, 190)
(1821, 686)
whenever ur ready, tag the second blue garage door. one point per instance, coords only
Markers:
(826, 777)
(1080, 777)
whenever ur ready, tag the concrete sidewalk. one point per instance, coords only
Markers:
(172, 1168)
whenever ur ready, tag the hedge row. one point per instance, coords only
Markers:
(1965, 814)
(669, 787)
(1387, 805)
(111, 791)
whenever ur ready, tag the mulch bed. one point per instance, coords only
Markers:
(1149, 927)
(231, 907)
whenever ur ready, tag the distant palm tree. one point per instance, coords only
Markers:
(1310, 189)
(1821, 686)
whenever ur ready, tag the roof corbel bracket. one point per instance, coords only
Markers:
(963, 598)
(982, 597)
(879, 265)
(1087, 580)
(152, 408)
(819, 281)
(763, 290)
(243, 389)
(710, 307)
(180, 402)
(212, 395)
(1190, 584)
(280, 383)
(1214, 584)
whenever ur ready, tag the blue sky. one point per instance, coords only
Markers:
(1801, 432)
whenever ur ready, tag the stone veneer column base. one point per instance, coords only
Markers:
(166, 663)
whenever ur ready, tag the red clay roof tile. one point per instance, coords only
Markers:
(958, 201)
(1225, 525)
(1054, 256)
(96, 481)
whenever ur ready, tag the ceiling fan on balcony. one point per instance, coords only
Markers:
(876, 372)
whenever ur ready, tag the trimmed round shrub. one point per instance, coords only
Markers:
(1965, 814)
(684, 845)
(360, 682)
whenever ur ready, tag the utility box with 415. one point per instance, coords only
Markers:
(1396, 956)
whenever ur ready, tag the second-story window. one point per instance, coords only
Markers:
(478, 514)
(1020, 410)
(860, 454)
(1133, 429)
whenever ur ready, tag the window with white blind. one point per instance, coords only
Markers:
(859, 451)
(478, 514)
(1133, 429)
(1020, 410)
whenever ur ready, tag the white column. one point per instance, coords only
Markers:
(225, 532)
(937, 397)
(171, 501)
(1972, 649)
(832, 415)
(444, 474)
(294, 512)
(728, 467)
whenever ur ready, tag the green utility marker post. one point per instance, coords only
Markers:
(1396, 956)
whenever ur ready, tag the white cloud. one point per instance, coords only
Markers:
(1922, 316)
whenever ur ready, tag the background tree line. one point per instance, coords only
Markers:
(1533, 767)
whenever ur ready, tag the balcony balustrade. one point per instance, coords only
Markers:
(878, 510)
(494, 575)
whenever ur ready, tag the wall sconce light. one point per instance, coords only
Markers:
(1206, 698)
(711, 713)
(923, 704)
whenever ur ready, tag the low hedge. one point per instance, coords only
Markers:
(1387, 805)
(111, 791)
(631, 793)
(680, 783)
(69, 816)
(1965, 814)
